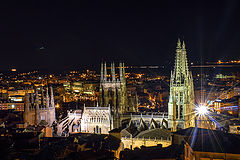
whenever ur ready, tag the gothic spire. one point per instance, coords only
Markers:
(185, 63)
(101, 72)
(47, 99)
(52, 104)
(32, 98)
(123, 71)
(52, 117)
(180, 72)
(42, 96)
(105, 71)
(183, 46)
(120, 71)
(179, 44)
(113, 72)
(37, 116)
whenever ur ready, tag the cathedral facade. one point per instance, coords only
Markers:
(37, 110)
(181, 99)
(96, 120)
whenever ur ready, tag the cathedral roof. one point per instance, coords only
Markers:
(130, 131)
(142, 126)
(126, 133)
(157, 133)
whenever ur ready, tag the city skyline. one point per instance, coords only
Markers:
(121, 113)
(58, 36)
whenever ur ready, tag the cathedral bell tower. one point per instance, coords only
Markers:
(181, 99)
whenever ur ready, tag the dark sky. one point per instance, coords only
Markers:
(60, 35)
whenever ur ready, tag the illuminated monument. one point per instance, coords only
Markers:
(181, 99)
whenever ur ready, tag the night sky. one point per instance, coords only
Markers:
(63, 35)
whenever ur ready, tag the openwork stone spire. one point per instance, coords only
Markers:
(52, 104)
(101, 79)
(47, 98)
(113, 72)
(181, 72)
(105, 71)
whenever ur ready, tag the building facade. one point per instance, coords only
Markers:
(12, 105)
(181, 99)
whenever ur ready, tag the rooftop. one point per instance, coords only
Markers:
(205, 140)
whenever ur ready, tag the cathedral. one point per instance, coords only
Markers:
(39, 110)
(114, 110)
(181, 99)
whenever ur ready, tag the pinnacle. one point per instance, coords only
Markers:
(183, 45)
(179, 43)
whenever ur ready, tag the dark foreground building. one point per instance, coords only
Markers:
(208, 144)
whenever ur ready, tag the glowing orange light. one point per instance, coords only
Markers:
(57, 106)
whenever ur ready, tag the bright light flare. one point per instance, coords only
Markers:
(202, 110)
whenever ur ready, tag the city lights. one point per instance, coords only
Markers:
(57, 106)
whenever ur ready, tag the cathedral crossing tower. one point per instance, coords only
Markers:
(113, 90)
(181, 99)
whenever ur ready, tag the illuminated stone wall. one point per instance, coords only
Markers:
(132, 143)
(44, 115)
